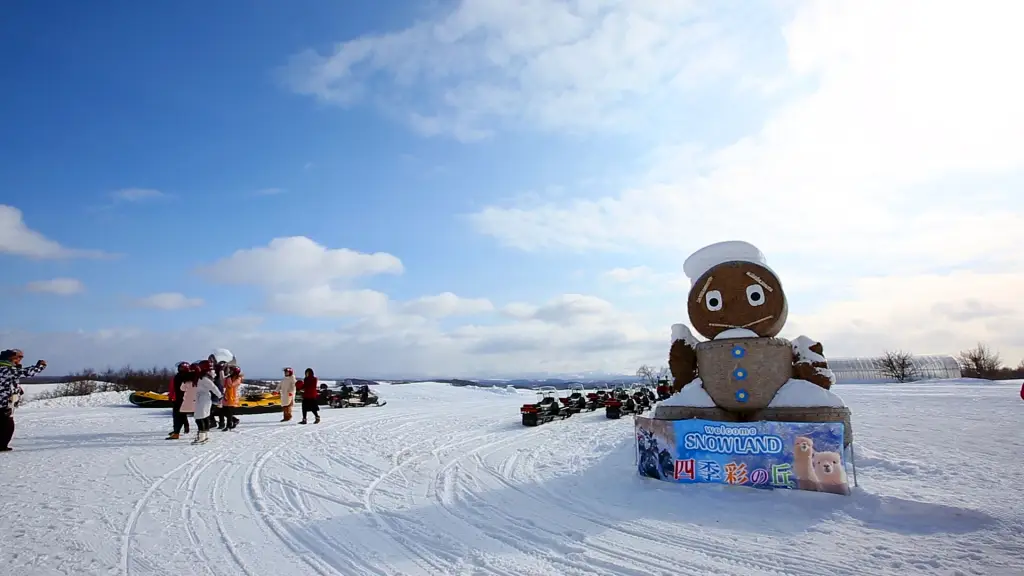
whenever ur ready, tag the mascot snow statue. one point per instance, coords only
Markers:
(744, 372)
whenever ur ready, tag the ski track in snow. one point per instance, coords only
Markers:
(444, 480)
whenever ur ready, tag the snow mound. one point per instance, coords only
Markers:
(693, 394)
(96, 400)
(682, 332)
(801, 393)
(802, 347)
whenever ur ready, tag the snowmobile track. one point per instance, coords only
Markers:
(417, 552)
(513, 530)
(257, 500)
(129, 528)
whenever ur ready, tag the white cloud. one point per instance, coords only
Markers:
(169, 301)
(565, 310)
(557, 65)
(298, 261)
(446, 304)
(901, 158)
(934, 313)
(323, 301)
(908, 94)
(136, 194)
(18, 239)
(304, 278)
(58, 286)
(626, 275)
(387, 345)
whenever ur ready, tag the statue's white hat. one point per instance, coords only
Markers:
(719, 253)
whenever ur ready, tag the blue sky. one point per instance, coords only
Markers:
(515, 156)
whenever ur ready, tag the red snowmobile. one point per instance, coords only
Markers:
(596, 399)
(575, 402)
(546, 409)
(621, 402)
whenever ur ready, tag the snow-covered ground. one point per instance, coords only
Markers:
(445, 480)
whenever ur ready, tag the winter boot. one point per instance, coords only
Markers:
(317, 421)
(172, 436)
(303, 421)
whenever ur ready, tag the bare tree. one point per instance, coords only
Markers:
(648, 373)
(979, 362)
(898, 365)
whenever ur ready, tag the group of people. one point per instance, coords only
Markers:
(208, 391)
(11, 373)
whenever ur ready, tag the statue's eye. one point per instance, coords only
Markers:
(713, 300)
(755, 295)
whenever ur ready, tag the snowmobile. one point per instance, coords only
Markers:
(347, 398)
(596, 399)
(621, 402)
(643, 398)
(576, 401)
(652, 462)
(546, 409)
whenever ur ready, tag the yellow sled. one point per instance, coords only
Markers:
(252, 404)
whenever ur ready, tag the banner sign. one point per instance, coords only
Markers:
(786, 455)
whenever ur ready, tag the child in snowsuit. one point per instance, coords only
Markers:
(286, 390)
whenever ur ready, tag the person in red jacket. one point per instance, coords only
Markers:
(310, 396)
(177, 397)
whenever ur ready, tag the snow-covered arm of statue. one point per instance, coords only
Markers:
(809, 363)
(682, 357)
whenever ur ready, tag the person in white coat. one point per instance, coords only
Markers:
(287, 391)
(206, 390)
